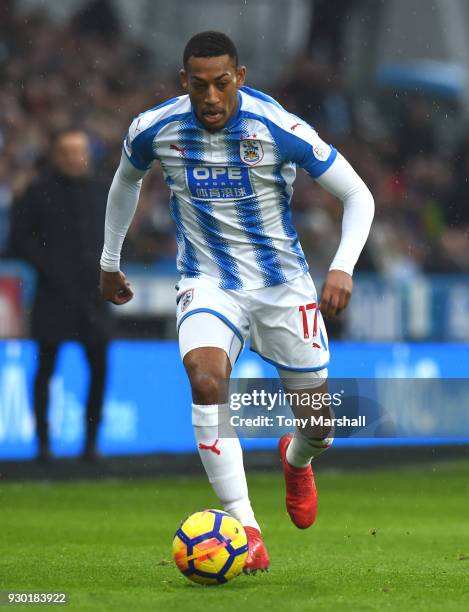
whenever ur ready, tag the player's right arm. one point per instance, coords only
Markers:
(121, 206)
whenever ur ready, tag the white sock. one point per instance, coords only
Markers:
(301, 450)
(222, 458)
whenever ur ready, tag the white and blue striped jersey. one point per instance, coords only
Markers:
(231, 189)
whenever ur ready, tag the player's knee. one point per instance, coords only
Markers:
(206, 385)
(206, 388)
(208, 374)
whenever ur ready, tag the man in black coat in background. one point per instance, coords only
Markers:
(57, 228)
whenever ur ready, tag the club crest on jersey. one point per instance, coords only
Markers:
(186, 299)
(251, 151)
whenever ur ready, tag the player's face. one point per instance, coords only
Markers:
(71, 154)
(212, 84)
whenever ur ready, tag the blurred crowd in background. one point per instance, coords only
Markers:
(87, 74)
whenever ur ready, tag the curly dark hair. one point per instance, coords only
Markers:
(210, 44)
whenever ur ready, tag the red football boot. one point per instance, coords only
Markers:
(258, 557)
(301, 495)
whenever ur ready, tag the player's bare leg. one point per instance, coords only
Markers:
(296, 452)
(208, 369)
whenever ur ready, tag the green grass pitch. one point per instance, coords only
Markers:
(396, 540)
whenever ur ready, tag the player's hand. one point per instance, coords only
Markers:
(114, 287)
(336, 293)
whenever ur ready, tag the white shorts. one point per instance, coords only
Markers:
(283, 322)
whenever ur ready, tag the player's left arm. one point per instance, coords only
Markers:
(342, 181)
(299, 143)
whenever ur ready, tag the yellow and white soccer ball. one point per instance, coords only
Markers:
(210, 547)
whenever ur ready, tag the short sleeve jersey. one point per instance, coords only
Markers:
(231, 188)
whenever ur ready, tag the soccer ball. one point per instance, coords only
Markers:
(210, 547)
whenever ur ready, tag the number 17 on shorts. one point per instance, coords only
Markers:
(310, 310)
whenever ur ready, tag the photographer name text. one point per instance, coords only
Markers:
(284, 421)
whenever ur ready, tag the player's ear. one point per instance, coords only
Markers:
(241, 76)
(184, 78)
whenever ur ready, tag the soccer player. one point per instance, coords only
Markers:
(229, 155)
